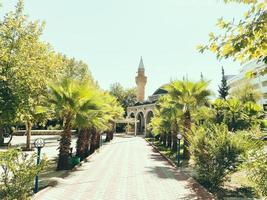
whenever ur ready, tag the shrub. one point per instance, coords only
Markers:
(18, 172)
(256, 168)
(215, 153)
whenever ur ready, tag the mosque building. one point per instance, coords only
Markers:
(143, 111)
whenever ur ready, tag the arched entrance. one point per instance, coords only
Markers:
(131, 126)
(149, 116)
(140, 124)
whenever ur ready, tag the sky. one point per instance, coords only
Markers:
(112, 35)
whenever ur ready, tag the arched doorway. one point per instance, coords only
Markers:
(149, 116)
(131, 126)
(140, 124)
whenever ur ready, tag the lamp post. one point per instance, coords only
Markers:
(39, 143)
(179, 137)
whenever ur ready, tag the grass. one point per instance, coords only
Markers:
(169, 153)
(237, 186)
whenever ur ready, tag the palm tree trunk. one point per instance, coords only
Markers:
(174, 142)
(98, 138)
(87, 143)
(113, 131)
(169, 140)
(187, 127)
(1, 136)
(174, 136)
(157, 137)
(164, 138)
(108, 136)
(64, 145)
(81, 143)
(93, 145)
(28, 134)
(161, 138)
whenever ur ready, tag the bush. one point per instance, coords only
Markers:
(215, 153)
(18, 172)
(256, 168)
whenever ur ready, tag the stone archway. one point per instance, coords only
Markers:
(140, 126)
(149, 116)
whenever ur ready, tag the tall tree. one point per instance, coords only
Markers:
(190, 95)
(26, 67)
(223, 88)
(171, 110)
(126, 97)
(72, 100)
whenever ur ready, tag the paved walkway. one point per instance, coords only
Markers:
(125, 169)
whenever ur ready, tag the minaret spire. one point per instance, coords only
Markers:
(141, 64)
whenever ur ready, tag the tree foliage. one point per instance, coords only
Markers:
(245, 92)
(256, 167)
(242, 40)
(80, 104)
(126, 97)
(189, 95)
(236, 114)
(215, 153)
(223, 88)
(18, 171)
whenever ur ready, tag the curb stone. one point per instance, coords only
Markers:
(177, 168)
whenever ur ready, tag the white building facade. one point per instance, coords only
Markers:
(258, 81)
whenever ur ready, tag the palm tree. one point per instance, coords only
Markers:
(84, 121)
(70, 99)
(171, 111)
(190, 95)
(112, 111)
(103, 120)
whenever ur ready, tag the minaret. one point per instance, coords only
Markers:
(140, 80)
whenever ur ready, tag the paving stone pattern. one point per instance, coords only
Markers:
(128, 168)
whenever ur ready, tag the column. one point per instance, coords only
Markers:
(135, 127)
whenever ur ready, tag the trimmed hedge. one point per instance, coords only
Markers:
(40, 132)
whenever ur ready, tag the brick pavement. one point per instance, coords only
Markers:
(125, 169)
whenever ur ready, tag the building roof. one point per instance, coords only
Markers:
(145, 103)
(160, 91)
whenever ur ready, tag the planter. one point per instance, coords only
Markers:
(75, 160)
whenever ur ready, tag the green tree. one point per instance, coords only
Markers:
(236, 114)
(215, 153)
(256, 167)
(190, 95)
(161, 126)
(71, 100)
(223, 88)
(246, 92)
(171, 110)
(18, 171)
(242, 40)
(27, 65)
(96, 122)
(126, 97)
(77, 70)
(219, 107)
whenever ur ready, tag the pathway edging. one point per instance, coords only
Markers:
(64, 175)
(177, 168)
